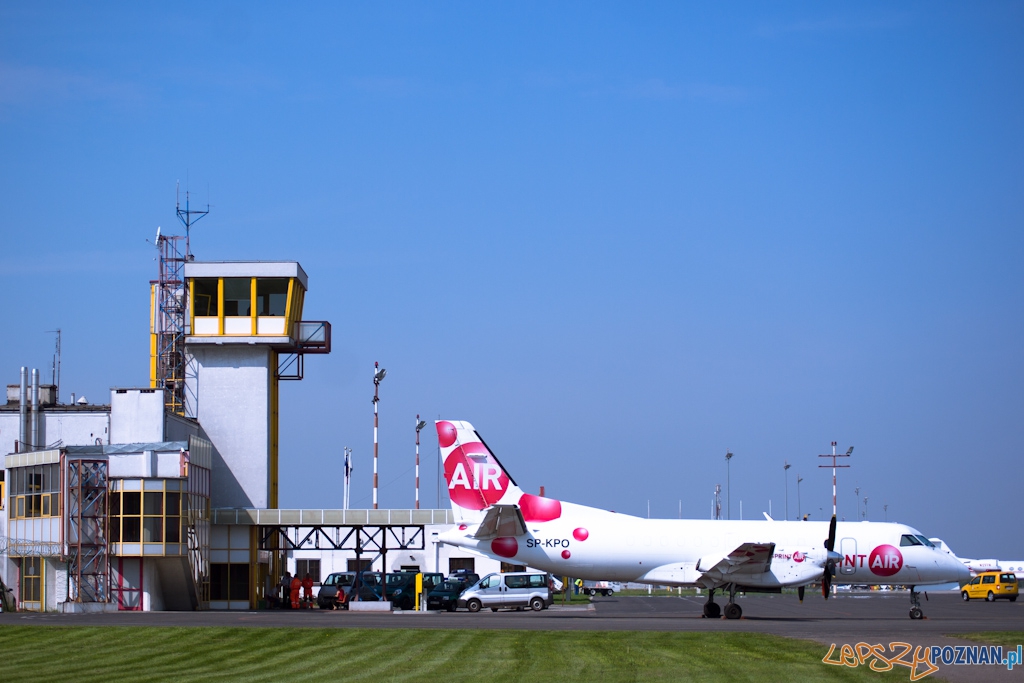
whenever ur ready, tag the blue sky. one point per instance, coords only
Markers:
(620, 239)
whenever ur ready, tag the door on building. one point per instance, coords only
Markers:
(32, 584)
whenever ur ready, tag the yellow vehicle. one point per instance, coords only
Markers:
(991, 586)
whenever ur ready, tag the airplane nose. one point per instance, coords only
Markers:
(963, 574)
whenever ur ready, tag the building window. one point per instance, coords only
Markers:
(311, 567)
(35, 491)
(149, 513)
(205, 297)
(359, 565)
(237, 296)
(229, 582)
(271, 296)
(509, 567)
(457, 563)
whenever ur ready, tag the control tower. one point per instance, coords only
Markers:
(244, 334)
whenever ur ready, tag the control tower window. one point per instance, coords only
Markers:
(237, 296)
(205, 296)
(271, 296)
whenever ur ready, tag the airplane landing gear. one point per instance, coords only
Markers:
(711, 609)
(915, 604)
(732, 610)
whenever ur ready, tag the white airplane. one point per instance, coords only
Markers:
(497, 519)
(978, 566)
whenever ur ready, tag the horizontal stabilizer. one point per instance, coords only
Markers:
(501, 521)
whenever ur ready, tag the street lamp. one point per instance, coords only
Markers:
(728, 485)
(420, 424)
(856, 496)
(378, 376)
(785, 469)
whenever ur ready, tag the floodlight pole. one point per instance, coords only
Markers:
(377, 377)
(834, 467)
(856, 496)
(348, 475)
(728, 485)
(798, 480)
(419, 426)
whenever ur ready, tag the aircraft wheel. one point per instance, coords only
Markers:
(536, 604)
(733, 611)
(990, 597)
(965, 596)
(712, 610)
(474, 605)
(916, 613)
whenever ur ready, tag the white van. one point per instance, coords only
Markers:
(513, 589)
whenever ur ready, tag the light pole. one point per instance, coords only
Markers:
(785, 469)
(885, 509)
(420, 424)
(865, 513)
(378, 375)
(856, 496)
(348, 474)
(798, 480)
(728, 485)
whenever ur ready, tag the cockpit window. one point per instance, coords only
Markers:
(924, 540)
(909, 540)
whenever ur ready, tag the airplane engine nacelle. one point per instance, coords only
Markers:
(798, 567)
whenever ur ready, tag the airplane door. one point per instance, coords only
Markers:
(848, 549)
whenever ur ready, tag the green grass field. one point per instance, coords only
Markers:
(36, 653)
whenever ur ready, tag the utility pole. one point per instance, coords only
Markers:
(378, 375)
(728, 485)
(834, 467)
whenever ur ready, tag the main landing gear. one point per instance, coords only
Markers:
(915, 604)
(732, 610)
(711, 609)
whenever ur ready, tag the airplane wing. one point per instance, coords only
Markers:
(748, 559)
(501, 520)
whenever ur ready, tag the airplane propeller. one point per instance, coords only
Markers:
(830, 562)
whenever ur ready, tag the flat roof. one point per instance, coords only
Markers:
(296, 517)
(247, 269)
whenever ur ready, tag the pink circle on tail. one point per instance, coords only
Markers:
(505, 546)
(446, 433)
(566, 554)
(537, 509)
(581, 534)
(475, 479)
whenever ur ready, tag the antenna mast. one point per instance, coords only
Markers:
(170, 308)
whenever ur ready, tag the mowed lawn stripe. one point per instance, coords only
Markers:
(254, 655)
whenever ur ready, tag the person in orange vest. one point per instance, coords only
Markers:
(307, 591)
(296, 585)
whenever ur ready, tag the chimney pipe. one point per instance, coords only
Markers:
(23, 410)
(35, 408)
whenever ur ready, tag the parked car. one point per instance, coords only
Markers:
(513, 589)
(333, 585)
(992, 586)
(464, 576)
(446, 595)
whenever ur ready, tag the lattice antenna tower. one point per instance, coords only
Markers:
(169, 325)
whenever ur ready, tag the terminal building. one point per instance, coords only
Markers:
(166, 497)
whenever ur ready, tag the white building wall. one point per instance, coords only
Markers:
(72, 427)
(234, 409)
(136, 416)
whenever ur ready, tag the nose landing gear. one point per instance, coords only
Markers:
(915, 604)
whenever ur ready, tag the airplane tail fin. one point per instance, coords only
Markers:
(476, 479)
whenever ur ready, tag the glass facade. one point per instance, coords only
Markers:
(35, 491)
